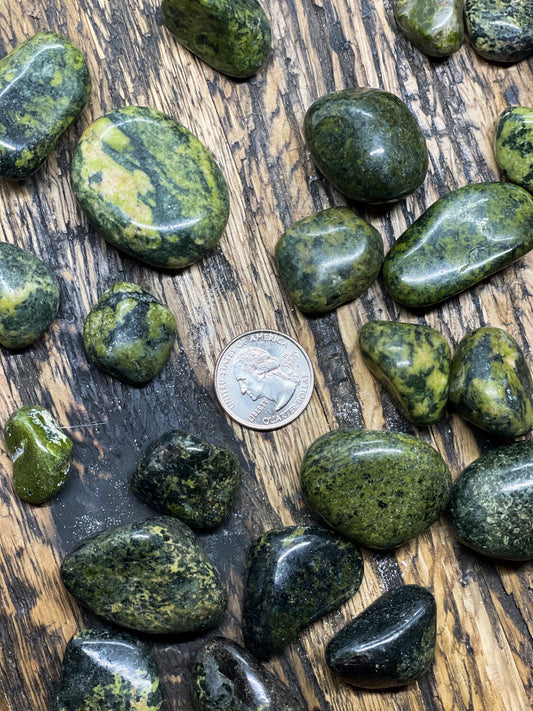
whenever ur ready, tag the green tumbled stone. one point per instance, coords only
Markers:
(44, 85)
(129, 334)
(328, 259)
(368, 143)
(500, 30)
(150, 186)
(29, 297)
(232, 36)
(490, 383)
(462, 238)
(377, 488)
(434, 26)
(514, 145)
(153, 576)
(40, 452)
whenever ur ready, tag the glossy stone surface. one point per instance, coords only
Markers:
(500, 30)
(462, 238)
(513, 145)
(129, 334)
(490, 383)
(413, 363)
(434, 26)
(103, 669)
(377, 488)
(391, 643)
(329, 258)
(295, 575)
(180, 475)
(226, 677)
(44, 85)
(153, 576)
(29, 297)
(40, 452)
(232, 36)
(367, 143)
(150, 187)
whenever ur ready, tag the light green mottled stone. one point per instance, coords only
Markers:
(513, 145)
(434, 26)
(500, 30)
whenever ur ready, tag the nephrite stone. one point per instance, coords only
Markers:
(295, 575)
(129, 334)
(328, 259)
(434, 26)
(150, 186)
(413, 363)
(232, 36)
(490, 383)
(491, 506)
(226, 677)
(103, 669)
(180, 475)
(462, 238)
(40, 452)
(368, 143)
(153, 576)
(377, 488)
(391, 643)
(29, 297)
(44, 85)
(514, 145)
(500, 30)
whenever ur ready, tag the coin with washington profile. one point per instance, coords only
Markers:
(264, 379)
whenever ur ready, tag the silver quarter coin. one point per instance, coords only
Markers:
(264, 379)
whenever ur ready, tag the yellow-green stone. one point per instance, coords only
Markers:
(500, 30)
(513, 145)
(434, 26)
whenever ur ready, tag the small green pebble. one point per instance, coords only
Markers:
(513, 145)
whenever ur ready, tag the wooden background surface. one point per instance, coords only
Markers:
(254, 128)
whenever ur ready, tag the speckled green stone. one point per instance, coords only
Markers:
(150, 186)
(153, 576)
(232, 36)
(490, 383)
(413, 363)
(462, 238)
(44, 85)
(40, 452)
(434, 26)
(29, 297)
(377, 488)
(513, 145)
(129, 334)
(328, 258)
(295, 576)
(107, 671)
(500, 30)
(368, 143)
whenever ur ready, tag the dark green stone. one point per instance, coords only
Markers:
(377, 488)
(40, 452)
(434, 26)
(368, 143)
(295, 576)
(129, 334)
(107, 671)
(328, 259)
(150, 186)
(44, 85)
(232, 36)
(391, 643)
(514, 145)
(153, 576)
(29, 296)
(413, 363)
(462, 238)
(490, 383)
(491, 506)
(500, 30)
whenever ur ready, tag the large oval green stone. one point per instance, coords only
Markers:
(500, 30)
(434, 26)
(513, 145)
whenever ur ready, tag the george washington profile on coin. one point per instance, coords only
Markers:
(259, 375)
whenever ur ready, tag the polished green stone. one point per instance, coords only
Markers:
(329, 258)
(490, 383)
(295, 576)
(40, 452)
(377, 488)
(129, 334)
(368, 143)
(232, 36)
(500, 30)
(413, 363)
(434, 26)
(44, 85)
(513, 145)
(462, 238)
(29, 296)
(150, 186)
(153, 576)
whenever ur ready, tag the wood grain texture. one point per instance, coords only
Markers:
(254, 129)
